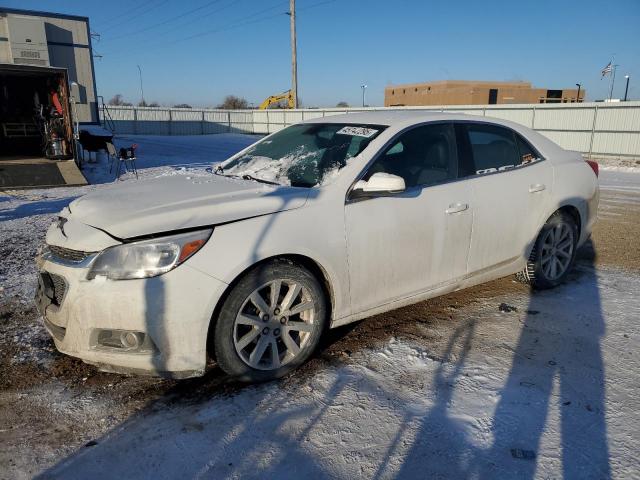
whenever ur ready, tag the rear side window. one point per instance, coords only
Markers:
(493, 148)
(526, 151)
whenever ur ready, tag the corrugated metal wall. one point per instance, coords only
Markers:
(597, 128)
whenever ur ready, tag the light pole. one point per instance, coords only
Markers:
(141, 89)
(364, 89)
(578, 98)
(626, 89)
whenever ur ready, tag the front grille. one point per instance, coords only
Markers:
(68, 255)
(59, 288)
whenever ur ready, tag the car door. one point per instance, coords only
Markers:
(510, 185)
(406, 243)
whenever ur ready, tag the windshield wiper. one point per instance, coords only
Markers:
(220, 171)
(250, 177)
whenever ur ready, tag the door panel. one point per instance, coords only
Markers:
(508, 209)
(511, 186)
(406, 244)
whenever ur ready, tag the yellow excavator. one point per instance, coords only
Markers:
(288, 96)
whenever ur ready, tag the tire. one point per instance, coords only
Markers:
(251, 325)
(553, 253)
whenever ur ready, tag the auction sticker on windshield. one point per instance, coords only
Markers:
(357, 131)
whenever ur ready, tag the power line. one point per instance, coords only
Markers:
(128, 12)
(241, 22)
(233, 23)
(174, 18)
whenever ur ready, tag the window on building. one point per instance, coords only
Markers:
(425, 155)
(493, 96)
(554, 96)
(493, 148)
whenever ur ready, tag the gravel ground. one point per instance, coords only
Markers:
(54, 407)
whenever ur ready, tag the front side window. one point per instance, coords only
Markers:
(493, 148)
(424, 155)
(303, 155)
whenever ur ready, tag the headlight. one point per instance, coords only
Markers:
(147, 258)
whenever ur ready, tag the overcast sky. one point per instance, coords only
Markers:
(198, 51)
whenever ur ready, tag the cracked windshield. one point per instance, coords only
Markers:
(302, 155)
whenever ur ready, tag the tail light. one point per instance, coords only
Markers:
(594, 166)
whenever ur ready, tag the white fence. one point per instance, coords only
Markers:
(606, 129)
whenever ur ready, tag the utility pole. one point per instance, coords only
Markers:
(578, 98)
(613, 81)
(626, 89)
(141, 89)
(364, 89)
(294, 56)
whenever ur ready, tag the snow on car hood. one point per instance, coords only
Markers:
(178, 202)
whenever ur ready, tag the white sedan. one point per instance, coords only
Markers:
(323, 223)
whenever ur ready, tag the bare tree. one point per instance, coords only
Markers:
(182, 105)
(118, 100)
(342, 104)
(231, 102)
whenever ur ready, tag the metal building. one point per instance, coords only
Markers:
(47, 89)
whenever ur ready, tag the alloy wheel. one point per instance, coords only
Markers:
(274, 324)
(557, 251)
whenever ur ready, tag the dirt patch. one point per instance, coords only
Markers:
(616, 241)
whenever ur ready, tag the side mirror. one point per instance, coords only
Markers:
(379, 183)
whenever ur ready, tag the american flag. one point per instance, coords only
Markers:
(607, 70)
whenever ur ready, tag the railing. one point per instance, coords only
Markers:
(105, 115)
(599, 129)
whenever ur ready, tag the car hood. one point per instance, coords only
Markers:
(180, 202)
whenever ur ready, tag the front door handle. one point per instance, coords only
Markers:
(456, 208)
(538, 187)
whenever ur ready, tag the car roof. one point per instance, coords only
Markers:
(401, 118)
(398, 120)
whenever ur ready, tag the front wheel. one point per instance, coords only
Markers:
(270, 323)
(553, 253)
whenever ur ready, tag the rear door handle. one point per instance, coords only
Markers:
(456, 208)
(538, 187)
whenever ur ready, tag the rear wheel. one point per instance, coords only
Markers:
(270, 323)
(553, 253)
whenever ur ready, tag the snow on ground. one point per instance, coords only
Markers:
(503, 385)
(473, 393)
(618, 164)
(28, 213)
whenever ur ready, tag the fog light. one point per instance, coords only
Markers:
(130, 340)
(122, 340)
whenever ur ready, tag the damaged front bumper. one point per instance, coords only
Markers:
(155, 326)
